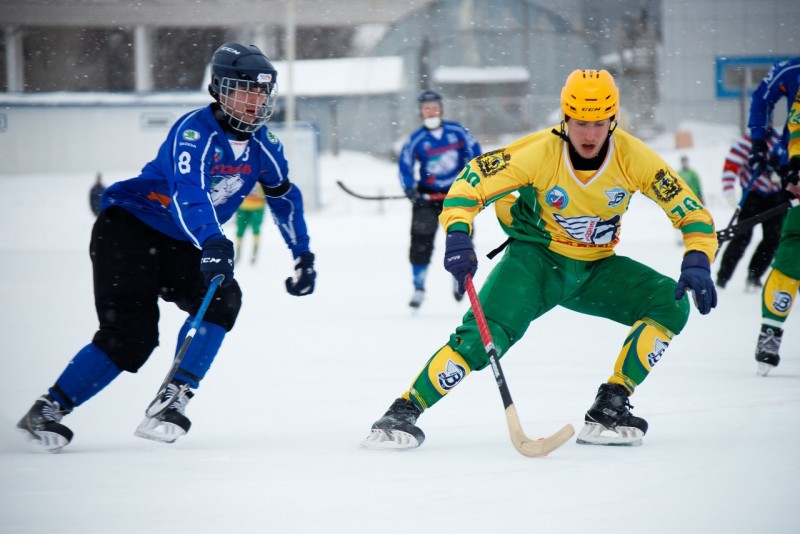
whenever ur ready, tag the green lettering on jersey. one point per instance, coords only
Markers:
(470, 176)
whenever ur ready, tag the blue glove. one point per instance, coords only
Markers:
(696, 276)
(305, 276)
(217, 259)
(758, 154)
(459, 258)
(415, 196)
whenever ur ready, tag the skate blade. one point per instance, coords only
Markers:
(157, 430)
(389, 440)
(49, 441)
(597, 434)
(764, 368)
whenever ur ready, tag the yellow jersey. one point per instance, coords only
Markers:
(254, 201)
(575, 213)
(793, 125)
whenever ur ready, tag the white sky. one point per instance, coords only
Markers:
(297, 384)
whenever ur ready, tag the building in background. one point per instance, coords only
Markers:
(500, 63)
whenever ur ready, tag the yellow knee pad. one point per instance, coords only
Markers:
(777, 297)
(643, 348)
(444, 371)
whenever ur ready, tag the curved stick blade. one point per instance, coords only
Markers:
(534, 448)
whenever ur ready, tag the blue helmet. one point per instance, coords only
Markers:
(429, 95)
(244, 68)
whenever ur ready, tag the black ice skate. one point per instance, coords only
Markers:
(417, 298)
(172, 423)
(43, 424)
(769, 343)
(753, 284)
(396, 429)
(609, 420)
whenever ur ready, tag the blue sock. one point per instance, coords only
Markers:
(201, 352)
(420, 273)
(86, 374)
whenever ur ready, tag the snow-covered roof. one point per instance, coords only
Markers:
(312, 77)
(342, 76)
(481, 75)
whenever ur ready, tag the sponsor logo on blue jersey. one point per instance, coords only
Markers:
(191, 135)
(557, 198)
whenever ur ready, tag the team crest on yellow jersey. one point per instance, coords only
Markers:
(557, 198)
(615, 196)
(493, 162)
(665, 186)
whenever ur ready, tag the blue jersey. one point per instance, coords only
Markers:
(440, 159)
(197, 182)
(782, 81)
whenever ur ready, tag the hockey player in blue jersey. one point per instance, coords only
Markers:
(160, 235)
(441, 149)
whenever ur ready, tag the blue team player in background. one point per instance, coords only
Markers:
(782, 81)
(160, 235)
(441, 148)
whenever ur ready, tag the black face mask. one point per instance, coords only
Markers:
(580, 163)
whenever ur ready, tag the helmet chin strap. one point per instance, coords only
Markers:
(562, 132)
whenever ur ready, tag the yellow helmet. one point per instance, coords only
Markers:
(589, 95)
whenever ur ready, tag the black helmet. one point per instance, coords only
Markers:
(246, 68)
(429, 96)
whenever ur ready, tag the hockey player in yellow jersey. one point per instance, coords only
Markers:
(560, 195)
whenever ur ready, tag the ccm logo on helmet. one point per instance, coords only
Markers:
(229, 50)
(590, 109)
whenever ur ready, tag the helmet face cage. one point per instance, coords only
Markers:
(244, 82)
(589, 95)
(247, 104)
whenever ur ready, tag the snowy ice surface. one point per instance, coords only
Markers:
(299, 381)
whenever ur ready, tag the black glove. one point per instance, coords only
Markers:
(217, 259)
(459, 258)
(305, 276)
(792, 174)
(774, 164)
(415, 196)
(696, 276)
(758, 155)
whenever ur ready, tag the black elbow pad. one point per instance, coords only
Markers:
(278, 190)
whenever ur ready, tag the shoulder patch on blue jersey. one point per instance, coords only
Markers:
(271, 137)
(493, 162)
(191, 135)
(665, 186)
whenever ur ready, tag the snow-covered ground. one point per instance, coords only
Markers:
(299, 381)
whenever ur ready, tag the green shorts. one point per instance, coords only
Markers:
(251, 218)
(530, 280)
(787, 257)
